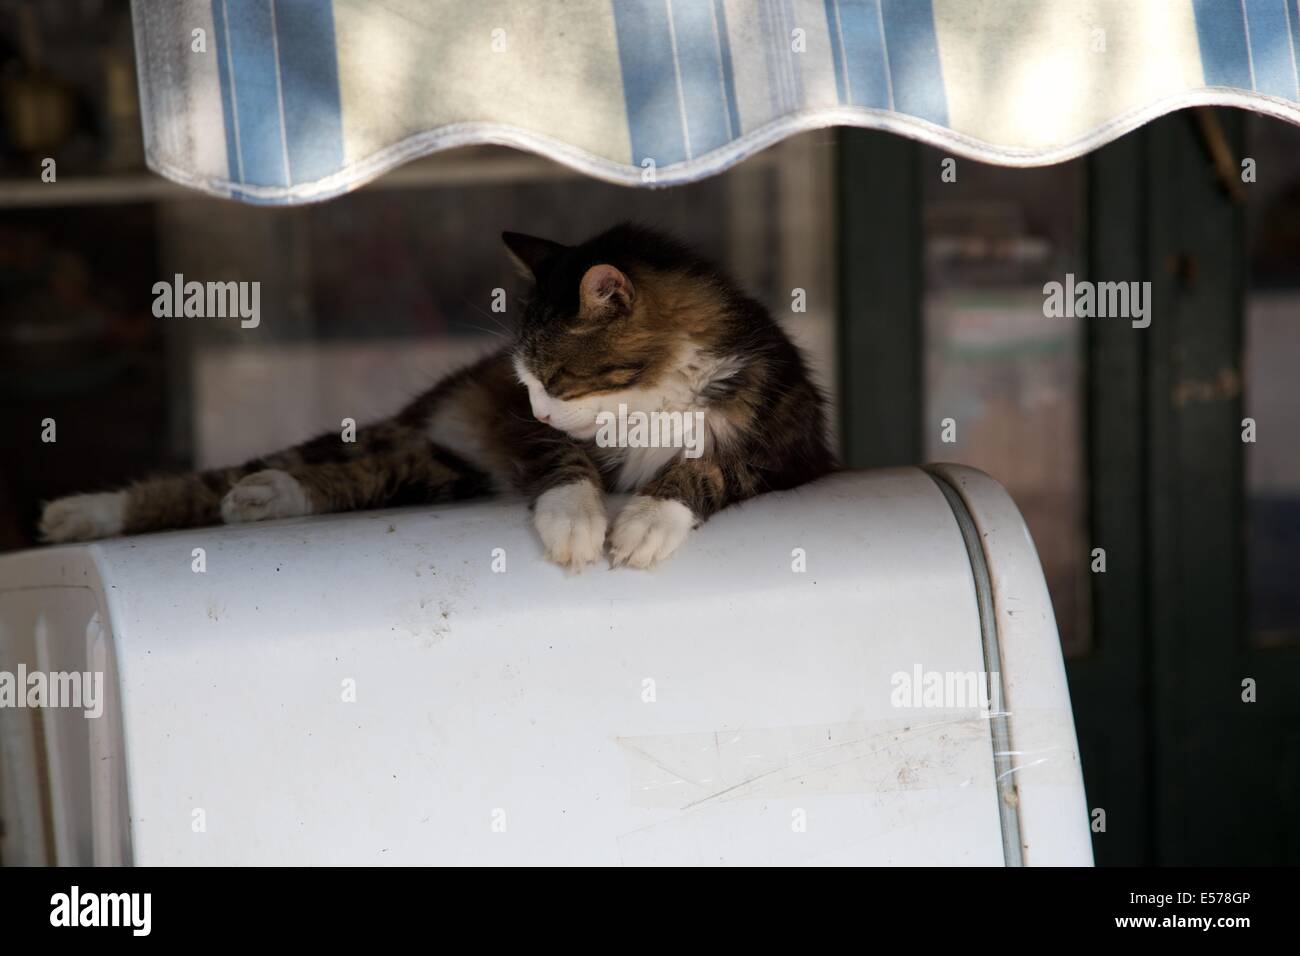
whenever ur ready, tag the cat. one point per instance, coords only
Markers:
(629, 321)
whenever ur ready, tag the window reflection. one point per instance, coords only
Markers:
(1008, 377)
(1272, 349)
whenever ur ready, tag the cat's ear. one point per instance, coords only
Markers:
(530, 253)
(605, 292)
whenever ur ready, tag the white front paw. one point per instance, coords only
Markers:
(648, 530)
(571, 520)
(265, 494)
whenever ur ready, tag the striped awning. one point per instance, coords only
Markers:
(287, 101)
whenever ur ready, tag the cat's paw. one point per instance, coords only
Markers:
(265, 494)
(83, 517)
(647, 531)
(571, 521)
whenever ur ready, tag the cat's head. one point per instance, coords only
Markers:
(626, 318)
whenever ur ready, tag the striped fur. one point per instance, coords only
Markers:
(628, 318)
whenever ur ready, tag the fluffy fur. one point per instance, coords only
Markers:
(630, 318)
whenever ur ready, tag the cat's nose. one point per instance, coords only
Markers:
(544, 419)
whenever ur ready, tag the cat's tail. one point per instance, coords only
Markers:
(155, 504)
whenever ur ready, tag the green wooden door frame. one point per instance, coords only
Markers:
(880, 285)
(1185, 771)
(1110, 687)
(1225, 777)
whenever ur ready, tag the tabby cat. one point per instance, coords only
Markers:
(630, 321)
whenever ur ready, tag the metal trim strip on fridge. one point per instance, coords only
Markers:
(1008, 813)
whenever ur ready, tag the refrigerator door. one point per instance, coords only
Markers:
(806, 681)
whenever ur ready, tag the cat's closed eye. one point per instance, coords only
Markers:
(619, 376)
(618, 370)
(567, 386)
(611, 378)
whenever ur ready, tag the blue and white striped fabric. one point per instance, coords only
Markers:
(286, 101)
